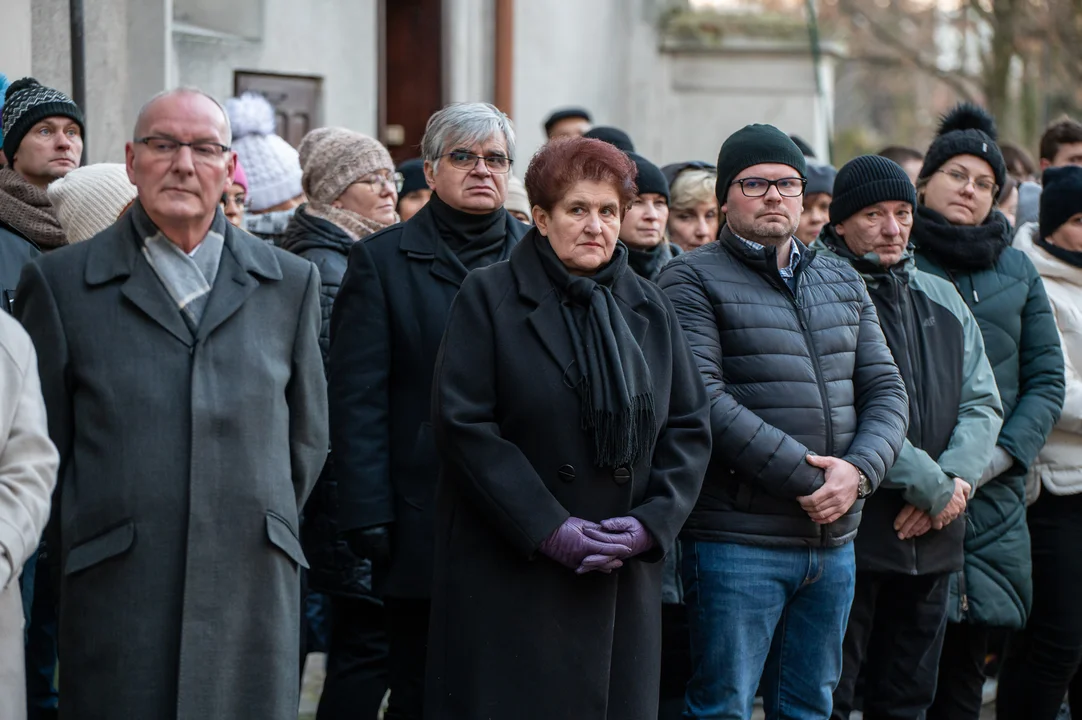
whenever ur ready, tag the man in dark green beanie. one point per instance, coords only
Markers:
(808, 413)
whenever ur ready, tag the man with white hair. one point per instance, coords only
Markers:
(181, 369)
(386, 328)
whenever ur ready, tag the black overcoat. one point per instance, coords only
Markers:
(386, 327)
(513, 633)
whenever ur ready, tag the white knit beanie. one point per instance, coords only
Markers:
(270, 163)
(89, 199)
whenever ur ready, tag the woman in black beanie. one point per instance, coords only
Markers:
(643, 228)
(1042, 665)
(961, 237)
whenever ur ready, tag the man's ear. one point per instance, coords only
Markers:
(839, 228)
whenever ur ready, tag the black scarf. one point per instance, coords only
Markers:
(1068, 256)
(961, 248)
(614, 385)
(477, 240)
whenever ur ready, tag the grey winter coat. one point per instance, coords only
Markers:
(184, 461)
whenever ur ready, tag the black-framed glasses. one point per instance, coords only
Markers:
(757, 187)
(463, 160)
(376, 180)
(202, 150)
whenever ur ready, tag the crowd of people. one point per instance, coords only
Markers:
(591, 438)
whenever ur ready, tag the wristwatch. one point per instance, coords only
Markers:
(864, 489)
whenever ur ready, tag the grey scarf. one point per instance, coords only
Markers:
(187, 278)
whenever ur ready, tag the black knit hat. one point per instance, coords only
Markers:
(1061, 197)
(413, 176)
(564, 114)
(865, 181)
(649, 179)
(753, 145)
(803, 145)
(820, 179)
(26, 103)
(965, 130)
(613, 136)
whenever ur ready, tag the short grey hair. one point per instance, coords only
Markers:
(462, 125)
(182, 91)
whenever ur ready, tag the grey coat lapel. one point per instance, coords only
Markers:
(244, 260)
(116, 255)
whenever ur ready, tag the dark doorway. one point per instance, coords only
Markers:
(297, 100)
(411, 77)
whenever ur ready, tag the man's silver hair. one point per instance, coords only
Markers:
(461, 125)
(228, 140)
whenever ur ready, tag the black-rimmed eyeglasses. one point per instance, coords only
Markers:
(757, 187)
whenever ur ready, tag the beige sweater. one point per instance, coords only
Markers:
(28, 459)
(1059, 465)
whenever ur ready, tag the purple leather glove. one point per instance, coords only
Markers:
(570, 546)
(626, 531)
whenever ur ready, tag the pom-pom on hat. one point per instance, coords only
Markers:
(272, 166)
(965, 130)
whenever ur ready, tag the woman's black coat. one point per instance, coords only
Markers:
(513, 633)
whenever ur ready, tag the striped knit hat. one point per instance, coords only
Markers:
(26, 103)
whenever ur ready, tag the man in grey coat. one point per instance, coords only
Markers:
(181, 370)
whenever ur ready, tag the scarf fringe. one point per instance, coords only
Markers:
(622, 438)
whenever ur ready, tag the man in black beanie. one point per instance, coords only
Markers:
(808, 413)
(913, 527)
(643, 226)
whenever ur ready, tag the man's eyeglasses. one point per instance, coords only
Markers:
(463, 160)
(206, 151)
(376, 180)
(758, 187)
(983, 186)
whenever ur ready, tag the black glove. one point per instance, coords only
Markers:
(370, 543)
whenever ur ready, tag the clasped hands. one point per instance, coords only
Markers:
(913, 522)
(586, 546)
(836, 495)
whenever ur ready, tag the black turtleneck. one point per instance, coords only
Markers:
(477, 240)
(647, 262)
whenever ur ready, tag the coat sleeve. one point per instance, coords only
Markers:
(489, 470)
(37, 310)
(360, 364)
(929, 482)
(1070, 420)
(1040, 379)
(682, 451)
(980, 412)
(306, 395)
(881, 400)
(28, 459)
(742, 441)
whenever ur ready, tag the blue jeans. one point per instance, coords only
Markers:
(770, 614)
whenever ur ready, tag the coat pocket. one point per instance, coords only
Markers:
(282, 537)
(100, 548)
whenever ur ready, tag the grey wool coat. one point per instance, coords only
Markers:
(184, 462)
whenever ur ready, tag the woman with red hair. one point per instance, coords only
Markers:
(573, 431)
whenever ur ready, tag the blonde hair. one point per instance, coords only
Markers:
(691, 187)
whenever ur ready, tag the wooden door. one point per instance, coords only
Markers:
(411, 78)
(297, 100)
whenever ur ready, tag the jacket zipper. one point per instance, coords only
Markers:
(829, 423)
(907, 324)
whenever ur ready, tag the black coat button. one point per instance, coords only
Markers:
(621, 475)
(566, 473)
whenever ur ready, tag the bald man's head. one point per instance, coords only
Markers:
(168, 97)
